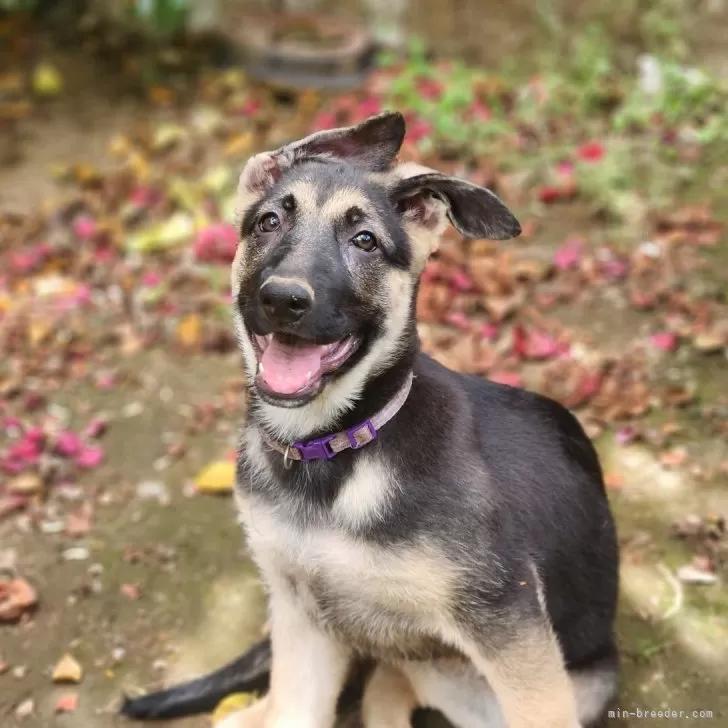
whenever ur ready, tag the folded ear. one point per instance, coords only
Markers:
(473, 210)
(372, 145)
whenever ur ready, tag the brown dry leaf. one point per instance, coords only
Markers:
(218, 477)
(79, 523)
(68, 670)
(17, 597)
(25, 484)
(674, 458)
(189, 331)
(709, 342)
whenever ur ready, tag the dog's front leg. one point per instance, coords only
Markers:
(308, 671)
(528, 676)
(309, 666)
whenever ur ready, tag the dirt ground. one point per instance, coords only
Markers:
(194, 599)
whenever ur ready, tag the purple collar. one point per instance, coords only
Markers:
(329, 446)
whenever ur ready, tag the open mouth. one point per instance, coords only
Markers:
(290, 367)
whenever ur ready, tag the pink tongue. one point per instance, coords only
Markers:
(287, 369)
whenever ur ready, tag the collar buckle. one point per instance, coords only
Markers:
(318, 449)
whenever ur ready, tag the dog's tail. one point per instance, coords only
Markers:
(248, 673)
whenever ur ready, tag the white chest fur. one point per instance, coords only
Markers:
(381, 598)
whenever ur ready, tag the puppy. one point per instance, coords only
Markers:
(452, 532)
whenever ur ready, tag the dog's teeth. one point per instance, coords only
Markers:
(260, 367)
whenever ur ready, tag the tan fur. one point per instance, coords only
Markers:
(425, 240)
(341, 202)
(388, 699)
(304, 192)
(529, 679)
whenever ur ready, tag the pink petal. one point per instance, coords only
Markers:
(12, 423)
(143, 196)
(104, 254)
(512, 379)
(625, 435)
(533, 344)
(548, 194)
(24, 261)
(216, 243)
(68, 444)
(89, 458)
(26, 449)
(591, 151)
(369, 107)
(95, 428)
(105, 380)
(569, 254)
(326, 120)
(429, 89)
(457, 319)
(84, 227)
(36, 435)
(460, 281)
(250, 107)
(151, 279)
(664, 340)
(490, 331)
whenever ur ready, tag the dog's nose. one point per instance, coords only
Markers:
(285, 300)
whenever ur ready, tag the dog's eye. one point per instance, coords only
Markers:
(269, 223)
(365, 240)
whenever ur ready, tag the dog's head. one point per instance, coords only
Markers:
(333, 239)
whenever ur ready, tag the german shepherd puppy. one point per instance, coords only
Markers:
(453, 532)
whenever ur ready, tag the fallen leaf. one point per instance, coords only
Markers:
(614, 481)
(79, 523)
(674, 458)
(176, 230)
(67, 703)
(131, 591)
(25, 484)
(664, 341)
(17, 597)
(68, 670)
(218, 477)
(512, 379)
(569, 254)
(231, 704)
(47, 81)
(25, 709)
(189, 330)
(690, 574)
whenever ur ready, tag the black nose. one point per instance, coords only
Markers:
(285, 301)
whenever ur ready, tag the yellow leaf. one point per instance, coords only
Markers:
(189, 330)
(240, 144)
(67, 670)
(120, 146)
(46, 80)
(234, 702)
(218, 477)
(38, 331)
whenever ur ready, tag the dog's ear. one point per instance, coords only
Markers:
(372, 145)
(425, 197)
